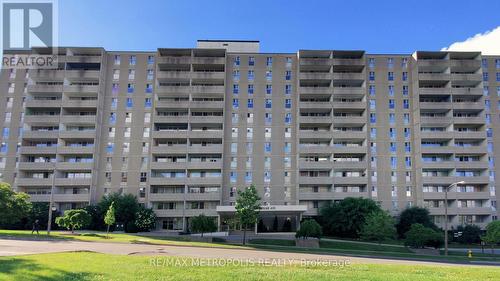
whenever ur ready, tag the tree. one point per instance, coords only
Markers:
(420, 236)
(345, 218)
(126, 208)
(247, 208)
(492, 235)
(309, 228)
(40, 212)
(379, 226)
(470, 234)
(412, 216)
(202, 224)
(14, 206)
(145, 219)
(110, 219)
(74, 219)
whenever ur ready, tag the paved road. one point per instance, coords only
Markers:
(23, 247)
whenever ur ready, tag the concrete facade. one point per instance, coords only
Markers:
(184, 129)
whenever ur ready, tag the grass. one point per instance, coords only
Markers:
(281, 245)
(113, 238)
(93, 266)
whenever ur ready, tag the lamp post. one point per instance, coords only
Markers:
(446, 215)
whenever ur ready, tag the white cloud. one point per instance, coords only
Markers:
(488, 43)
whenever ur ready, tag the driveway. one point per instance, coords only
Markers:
(24, 247)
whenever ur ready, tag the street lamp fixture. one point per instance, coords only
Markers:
(446, 214)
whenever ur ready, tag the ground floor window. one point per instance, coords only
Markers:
(172, 224)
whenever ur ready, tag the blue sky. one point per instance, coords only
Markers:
(282, 26)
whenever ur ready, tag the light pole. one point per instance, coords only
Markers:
(446, 215)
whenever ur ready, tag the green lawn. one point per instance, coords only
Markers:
(343, 245)
(113, 237)
(93, 266)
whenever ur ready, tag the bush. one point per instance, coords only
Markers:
(74, 219)
(202, 224)
(14, 207)
(470, 234)
(346, 218)
(492, 236)
(145, 219)
(412, 216)
(379, 226)
(309, 228)
(420, 236)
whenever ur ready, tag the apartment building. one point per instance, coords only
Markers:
(184, 129)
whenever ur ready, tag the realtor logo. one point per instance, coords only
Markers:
(28, 24)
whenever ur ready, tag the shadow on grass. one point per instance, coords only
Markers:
(15, 268)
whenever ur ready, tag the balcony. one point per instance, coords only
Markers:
(350, 149)
(435, 105)
(87, 134)
(315, 149)
(205, 165)
(219, 75)
(208, 89)
(349, 105)
(79, 103)
(353, 91)
(73, 181)
(467, 77)
(348, 120)
(82, 74)
(348, 76)
(154, 197)
(313, 165)
(78, 119)
(206, 134)
(349, 62)
(39, 198)
(315, 76)
(456, 195)
(467, 91)
(170, 134)
(81, 88)
(168, 165)
(71, 198)
(315, 119)
(316, 180)
(315, 105)
(208, 60)
(468, 105)
(173, 90)
(171, 119)
(206, 119)
(350, 164)
(446, 135)
(206, 104)
(37, 150)
(469, 120)
(46, 74)
(303, 134)
(74, 166)
(83, 59)
(434, 76)
(167, 181)
(45, 88)
(75, 150)
(173, 60)
(316, 90)
(43, 103)
(434, 91)
(465, 63)
(204, 180)
(172, 75)
(169, 213)
(169, 149)
(210, 196)
(40, 134)
(35, 166)
(471, 165)
(215, 148)
(33, 181)
(315, 61)
(172, 104)
(446, 120)
(45, 119)
(350, 180)
(481, 149)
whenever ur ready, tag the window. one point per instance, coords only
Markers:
(250, 89)
(269, 75)
(251, 75)
(408, 162)
(288, 103)
(236, 61)
(371, 62)
(236, 89)
(133, 60)
(267, 147)
(391, 104)
(117, 59)
(267, 132)
(391, 90)
(5, 132)
(150, 74)
(404, 77)
(288, 118)
(151, 60)
(269, 61)
(250, 103)
(394, 162)
(236, 75)
(269, 103)
(373, 104)
(236, 104)
(390, 76)
(109, 147)
(373, 133)
(371, 90)
(149, 88)
(485, 76)
(406, 104)
(129, 102)
(288, 75)
(373, 118)
(130, 88)
(131, 74)
(288, 147)
(288, 89)
(112, 117)
(116, 74)
(251, 61)
(269, 89)
(392, 147)
(371, 76)
(147, 102)
(392, 118)
(390, 62)
(268, 117)
(405, 90)
(404, 62)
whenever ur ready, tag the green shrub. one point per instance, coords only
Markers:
(309, 228)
